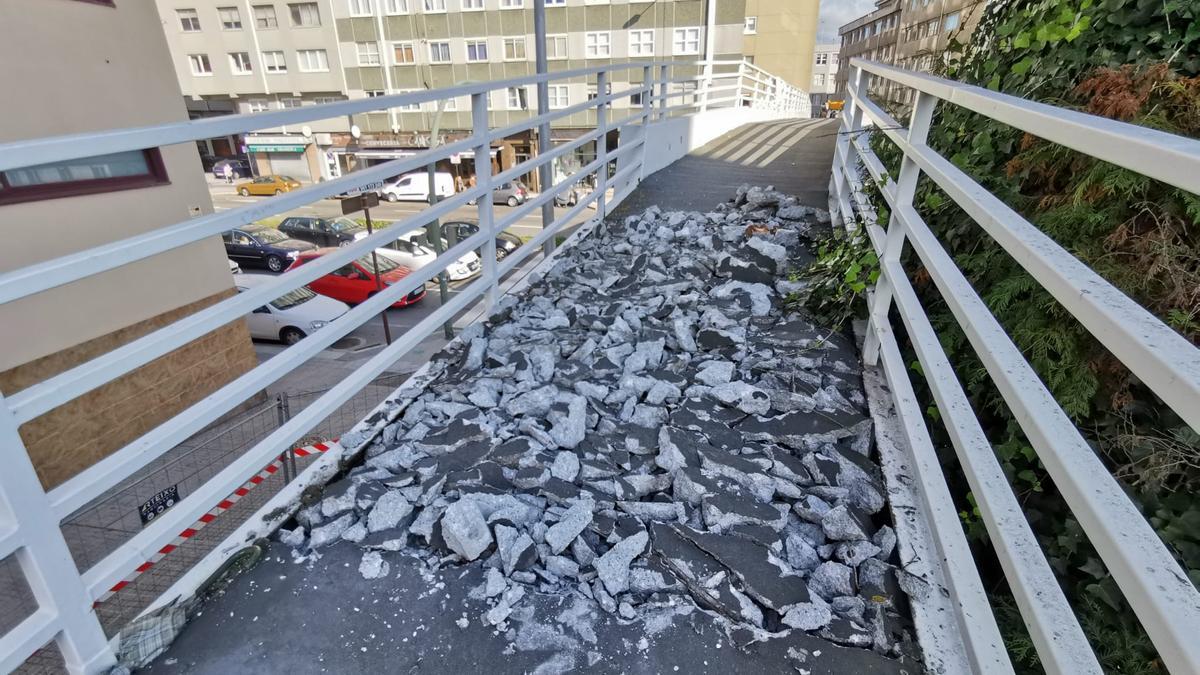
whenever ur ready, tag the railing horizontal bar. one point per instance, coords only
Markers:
(1148, 575)
(18, 644)
(44, 396)
(56, 272)
(77, 491)
(32, 152)
(113, 567)
(1170, 158)
(1061, 644)
(1161, 358)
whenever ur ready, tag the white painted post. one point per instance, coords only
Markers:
(663, 76)
(906, 188)
(647, 113)
(851, 122)
(45, 559)
(602, 142)
(485, 207)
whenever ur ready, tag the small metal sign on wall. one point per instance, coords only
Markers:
(158, 504)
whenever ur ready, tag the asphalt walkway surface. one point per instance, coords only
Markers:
(647, 465)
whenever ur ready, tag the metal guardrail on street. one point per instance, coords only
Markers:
(1155, 586)
(31, 519)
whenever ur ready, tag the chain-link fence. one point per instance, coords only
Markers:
(106, 523)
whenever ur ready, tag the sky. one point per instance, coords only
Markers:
(835, 13)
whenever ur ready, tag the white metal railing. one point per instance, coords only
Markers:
(1153, 583)
(30, 518)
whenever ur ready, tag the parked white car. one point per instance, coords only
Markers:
(290, 317)
(414, 252)
(414, 187)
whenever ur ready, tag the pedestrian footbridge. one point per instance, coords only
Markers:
(642, 457)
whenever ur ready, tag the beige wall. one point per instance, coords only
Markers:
(786, 38)
(72, 67)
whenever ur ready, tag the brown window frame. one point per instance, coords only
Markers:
(156, 175)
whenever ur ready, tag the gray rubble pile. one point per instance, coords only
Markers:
(646, 427)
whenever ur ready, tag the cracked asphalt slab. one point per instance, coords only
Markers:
(643, 463)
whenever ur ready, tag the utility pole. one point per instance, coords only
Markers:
(545, 171)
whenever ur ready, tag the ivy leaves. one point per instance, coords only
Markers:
(839, 278)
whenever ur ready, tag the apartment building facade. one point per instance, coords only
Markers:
(780, 37)
(825, 69)
(871, 36)
(53, 210)
(252, 55)
(910, 34)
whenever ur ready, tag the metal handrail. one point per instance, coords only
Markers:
(34, 536)
(1152, 581)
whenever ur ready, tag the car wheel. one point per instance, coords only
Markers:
(501, 253)
(245, 192)
(512, 201)
(573, 200)
(291, 336)
(343, 243)
(472, 202)
(275, 263)
(278, 191)
(236, 175)
(391, 197)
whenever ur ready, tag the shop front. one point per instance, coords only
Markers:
(294, 156)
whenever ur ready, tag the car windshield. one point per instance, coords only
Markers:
(289, 179)
(344, 225)
(293, 298)
(385, 264)
(269, 236)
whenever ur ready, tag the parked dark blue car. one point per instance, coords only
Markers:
(263, 246)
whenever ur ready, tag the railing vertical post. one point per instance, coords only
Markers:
(483, 178)
(45, 559)
(705, 86)
(545, 171)
(906, 189)
(647, 112)
(602, 143)
(283, 412)
(663, 84)
(842, 164)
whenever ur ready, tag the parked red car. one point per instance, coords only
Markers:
(355, 282)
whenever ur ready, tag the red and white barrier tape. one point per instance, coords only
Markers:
(207, 518)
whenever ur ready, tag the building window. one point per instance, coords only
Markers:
(289, 102)
(597, 45)
(439, 52)
(323, 100)
(89, 175)
(408, 107)
(374, 93)
(687, 41)
(641, 42)
(231, 18)
(403, 53)
(472, 5)
(952, 21)
(477, 51)
(313, 60)
(517, 98)
(362, 7)
(189, 21)
(239, 62)
(514, 49)
(273, 62)
(556, 47)
(751, 26)
(559, 97)
(305, 14)
(257, 105)
(560, 3)
(264, 17)
(512, 4)
(368, 53)
(819, 79)
(435, 6)
(200, 64)
(822, 58)
(395, 7)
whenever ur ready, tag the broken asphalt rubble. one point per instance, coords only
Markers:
(647, 426)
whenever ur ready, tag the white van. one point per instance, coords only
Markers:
(414, 187)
